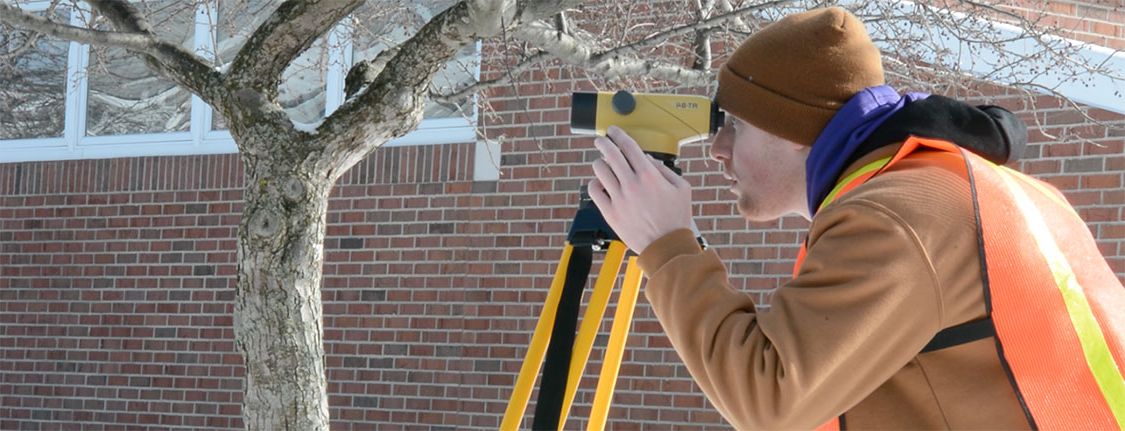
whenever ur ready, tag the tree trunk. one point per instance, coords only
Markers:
(277, 314)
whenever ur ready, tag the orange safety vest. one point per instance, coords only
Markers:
(1057, 309)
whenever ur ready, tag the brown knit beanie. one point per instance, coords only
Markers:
(791, 77)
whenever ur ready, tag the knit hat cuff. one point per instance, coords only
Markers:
(771, 111)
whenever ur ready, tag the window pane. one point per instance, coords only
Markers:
(32, 83)
(302, 89)
(124, 96)
(236, 22)
(458, 73)
(301, 93)
(378, 26)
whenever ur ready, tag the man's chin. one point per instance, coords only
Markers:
(752, 213)
(755, 214)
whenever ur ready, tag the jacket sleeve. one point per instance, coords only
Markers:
(864, 304)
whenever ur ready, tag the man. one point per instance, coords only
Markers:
(899, 314)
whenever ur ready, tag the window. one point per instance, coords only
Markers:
(61, 100)
(33, 94)
(374, 27)
(123, 96)
(304, 83)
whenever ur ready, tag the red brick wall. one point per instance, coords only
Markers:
(116, 276)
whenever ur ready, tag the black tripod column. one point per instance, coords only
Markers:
(565, 349)
(556, 368)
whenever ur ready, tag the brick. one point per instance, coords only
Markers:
(484, 187)
(1083, 165)
(1104, 28)
(1085, 132)
(1062, 150)
(1115, 164)
(351, 243)
(1107, 181)
(380, 363)
(441, 228)
(1065, 117)
(1104, 148)
(448, 351)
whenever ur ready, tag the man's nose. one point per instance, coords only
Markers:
(721, 145)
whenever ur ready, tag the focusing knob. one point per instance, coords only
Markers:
(623, 102)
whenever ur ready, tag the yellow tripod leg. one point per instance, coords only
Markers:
(622, 320)
(538, 348)
(591, 322)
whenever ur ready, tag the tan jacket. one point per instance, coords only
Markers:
(889, 264)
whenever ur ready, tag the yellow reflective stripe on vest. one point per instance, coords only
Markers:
(1098, 356)
(876, 165)
(1050, 194)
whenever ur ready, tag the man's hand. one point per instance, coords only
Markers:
(640, 198)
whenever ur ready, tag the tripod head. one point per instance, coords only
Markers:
(659, 122)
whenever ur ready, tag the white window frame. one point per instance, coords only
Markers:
(200, 139)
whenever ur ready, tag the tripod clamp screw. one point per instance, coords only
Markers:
(589, 227)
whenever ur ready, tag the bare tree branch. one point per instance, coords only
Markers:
(540, 9)
(1053, 92)
(364, 72)
(401, 87)
(124, 15)
(560, 23)
(738, 23)
(702, 43)
(17, 17)
(391, 105)
(461, 93)
(30, 42)
(288, 32)
(701, 25)
(614, 62)
(995, 9)
(975, 28)
(569, 47)
(165, 58)
(572, 50)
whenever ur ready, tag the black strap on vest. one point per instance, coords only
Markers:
(556, 368)
(961, 334)
(988, 291)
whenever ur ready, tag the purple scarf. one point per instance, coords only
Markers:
(855, 121)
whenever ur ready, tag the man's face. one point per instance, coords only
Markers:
(767, 173)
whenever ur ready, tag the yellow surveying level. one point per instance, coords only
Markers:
(660, 123)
